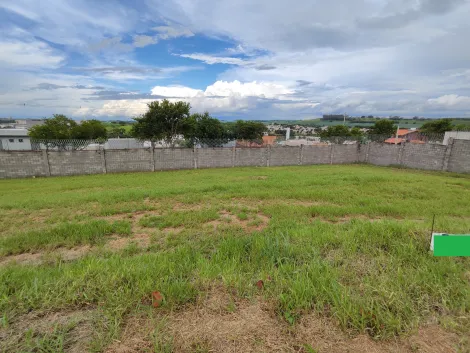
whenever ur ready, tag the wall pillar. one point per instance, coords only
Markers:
(447, 154)
(47, 166)
(103, 160)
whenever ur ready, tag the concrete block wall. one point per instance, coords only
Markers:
(383, 154)
(344, 154)
(316, 155)
(174, 158)
(214, 157)
(426, 156)
(459, 157)
(75, 162)
(255, 157)
(284, 156)
(133, 160)
(16, 164)
(454, 157)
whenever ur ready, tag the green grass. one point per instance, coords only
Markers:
(349, 242)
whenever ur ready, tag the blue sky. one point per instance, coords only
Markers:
(249, 59)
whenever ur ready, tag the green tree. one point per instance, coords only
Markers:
(437, 126)
(248, 130)
(205, 129)
(356, 132)
(163, 121)
(383, 127)
(59, 127)
(462, 127)
(118, 132)
(89, 130)
(338, 130)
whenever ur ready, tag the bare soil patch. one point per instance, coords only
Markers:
(250, 224)
(38, 258)
(220, 322)
(77, 337)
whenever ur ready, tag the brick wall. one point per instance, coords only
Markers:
(459, 159)
(383, 154)
(255, 157)
(284, 156)
(214, 157)
(316, 155)
(22, 164)
(134, 160)
(174, 158)
(427, 156)
(75, 162)
(343, 154)
(454, 157)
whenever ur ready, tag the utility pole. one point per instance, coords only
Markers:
(396, 136)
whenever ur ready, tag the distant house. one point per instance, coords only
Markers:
(406, 135)
(15, 140)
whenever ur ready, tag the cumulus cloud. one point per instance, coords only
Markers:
(220, 97)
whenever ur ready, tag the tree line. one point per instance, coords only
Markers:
(163, 121)
(170, 121)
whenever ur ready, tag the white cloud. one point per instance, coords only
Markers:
(248, 89)
(451, 101)
(219, 98)
(209, 59)
(29, 54)
(169, 32)
(141, 41)
(176, 91)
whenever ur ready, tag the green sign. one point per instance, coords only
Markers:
(451, 245)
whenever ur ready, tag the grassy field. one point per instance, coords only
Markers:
(293, 259)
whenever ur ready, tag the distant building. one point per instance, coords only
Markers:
(335, 117)
(15, 140)
(28, 123)
(458, 135)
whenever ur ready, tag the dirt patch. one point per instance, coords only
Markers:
(46, 257)
(251, 223)
(136, 337)
(77, 326)
(347, 219)
(322, 335)
(187, 207)
(223, 325)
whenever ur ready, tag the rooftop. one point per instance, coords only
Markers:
(14, 132)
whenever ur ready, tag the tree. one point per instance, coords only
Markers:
(356, 132)
(202, 128)
(59, 127)
(437, 126)
(383, 127)
(462, 127)
(89, 130)
(163, 121)
(248, 130)
(118, 132)
(338, 130)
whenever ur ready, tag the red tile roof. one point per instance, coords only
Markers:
(394, 140)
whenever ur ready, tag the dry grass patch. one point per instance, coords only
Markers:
(221, 322)
(247, 222)
(322, 335)
(70, 331)
(38, 258)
